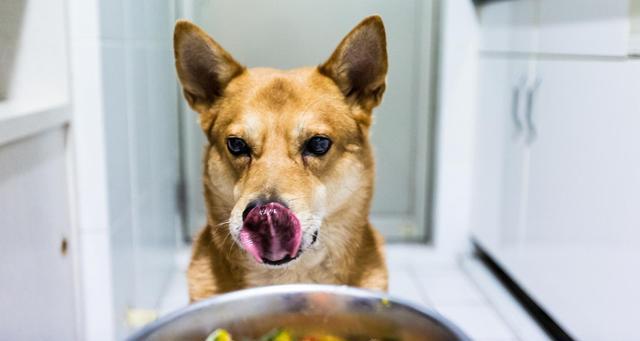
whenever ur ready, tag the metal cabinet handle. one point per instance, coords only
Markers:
(515, 104)
(532, 132)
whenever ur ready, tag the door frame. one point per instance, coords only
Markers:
(414, 226)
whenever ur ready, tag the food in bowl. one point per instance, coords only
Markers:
(287, 335)
(308, 312)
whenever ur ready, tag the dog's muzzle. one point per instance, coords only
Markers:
(271, 233)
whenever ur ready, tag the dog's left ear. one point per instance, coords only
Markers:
(204, 67)
(359, 64)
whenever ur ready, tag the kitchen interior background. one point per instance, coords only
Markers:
(517, 120)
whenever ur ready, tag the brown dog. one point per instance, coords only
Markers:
(288, 170)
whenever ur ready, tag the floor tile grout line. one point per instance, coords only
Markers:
(166, 286)
(484, 303)
(453, 267)
(168, 294)
(464, 270)
(421, 289)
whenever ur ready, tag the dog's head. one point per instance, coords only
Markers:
(288, 150)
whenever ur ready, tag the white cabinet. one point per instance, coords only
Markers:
(556, 202)
(584, 165)
(499, 149)
(571, 27)
(491, 130)
(583, 186)
(37, 248)
(508, 26)
(584, 27)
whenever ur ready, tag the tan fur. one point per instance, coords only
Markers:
(276, 112)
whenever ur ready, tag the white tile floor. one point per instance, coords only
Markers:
(460, 289)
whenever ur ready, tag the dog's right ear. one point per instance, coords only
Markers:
(204, 67)
(359, 64)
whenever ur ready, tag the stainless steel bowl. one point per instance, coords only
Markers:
(339, 310)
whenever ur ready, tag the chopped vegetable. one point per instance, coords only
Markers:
(330, 338)
(282, 335)
(219, 335)
(275, 335)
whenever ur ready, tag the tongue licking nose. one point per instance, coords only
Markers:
(271, 233)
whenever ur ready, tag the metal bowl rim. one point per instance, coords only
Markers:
(245, 294)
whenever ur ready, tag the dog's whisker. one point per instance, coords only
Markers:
(295, 199)
(222, 223)
(228, 234)
(231, 242)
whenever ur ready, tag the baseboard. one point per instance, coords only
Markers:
(537, 313)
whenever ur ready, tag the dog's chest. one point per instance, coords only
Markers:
(285, 277)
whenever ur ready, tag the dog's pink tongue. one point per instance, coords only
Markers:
(271, 232)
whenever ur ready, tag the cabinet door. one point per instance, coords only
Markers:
(497, 203)
(508, 26)
(584, 179)
(584, 27)
(579, 255)
(37, 287)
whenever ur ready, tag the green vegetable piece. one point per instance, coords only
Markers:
(277, 335)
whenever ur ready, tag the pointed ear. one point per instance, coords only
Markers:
(359, 64)
(204, 67)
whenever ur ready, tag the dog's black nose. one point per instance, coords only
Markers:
(259, 202)
(251, 206)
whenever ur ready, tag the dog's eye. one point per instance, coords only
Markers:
(317, 146)
(237, 146)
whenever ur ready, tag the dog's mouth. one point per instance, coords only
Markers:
(284, 260)
(288, 258)
(271, 233)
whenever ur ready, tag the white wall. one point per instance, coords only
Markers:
(456, 116)
(91, 210)
(141, 131)
(125, 136)
(24, 74)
